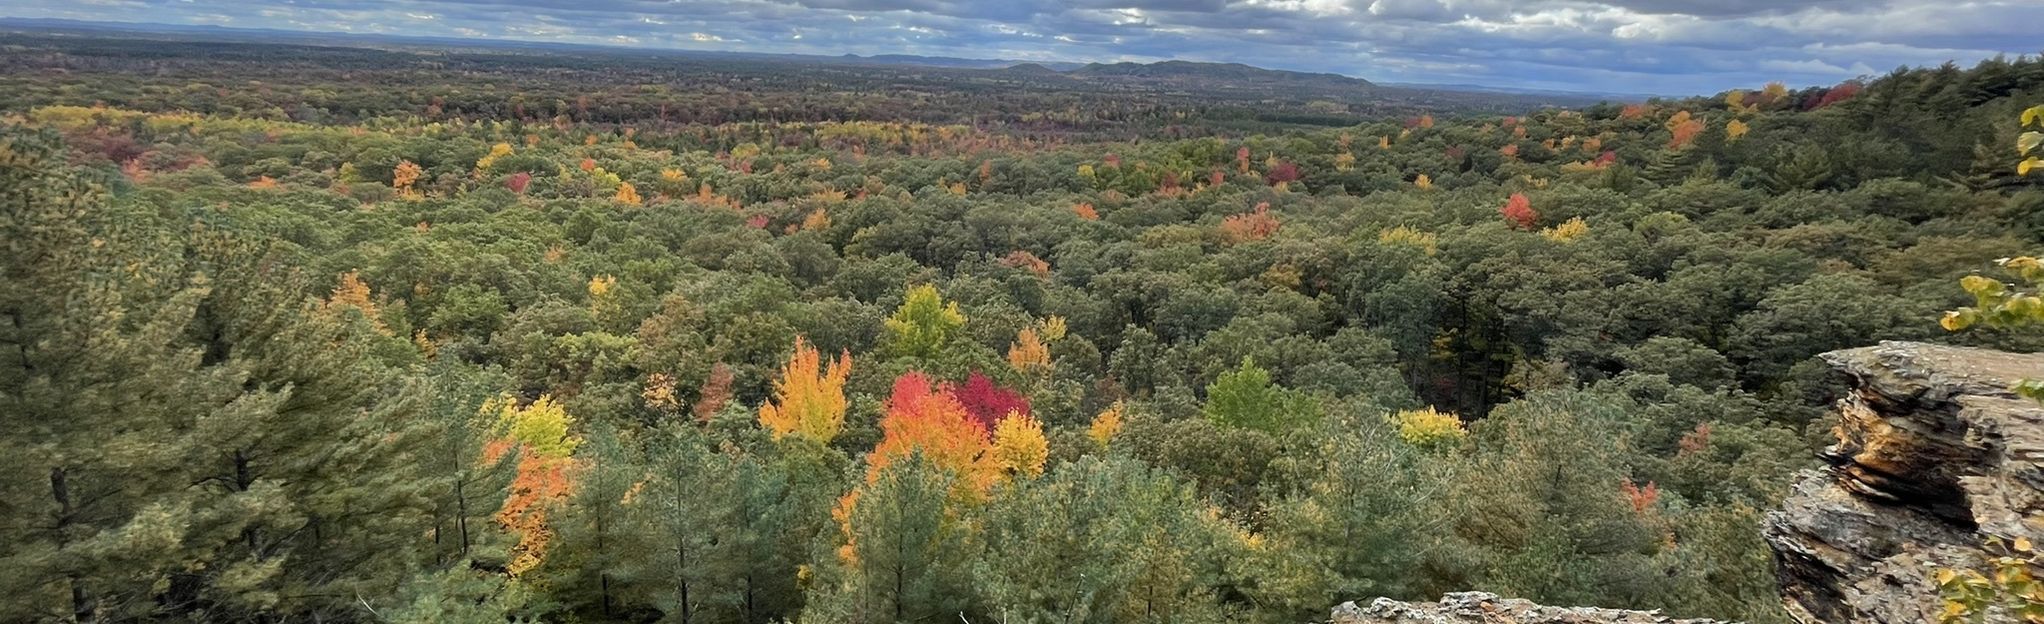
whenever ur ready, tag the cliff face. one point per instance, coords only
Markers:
(1934, 454)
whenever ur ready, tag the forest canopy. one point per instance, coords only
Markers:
(484, 338)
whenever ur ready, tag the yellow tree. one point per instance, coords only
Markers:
(1028, 354)
(626, 194)
(1429, 428)
(1019, 448)
(352, 292)
(1105, 425)
(497, 151)
(402, 178)
(809, 398)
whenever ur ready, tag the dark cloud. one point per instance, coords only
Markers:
(1660, 46)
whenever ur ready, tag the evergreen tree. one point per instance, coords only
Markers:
(98, 390)
(904, 555)
(1357, 527)
(1102, 540)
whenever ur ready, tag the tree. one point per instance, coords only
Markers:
(539, 434)
(595, 535)
(1429, 428)
(809, 398)
(1108, 540)
(985, 402)
(1018, 448)
(1246, 398)
(1255, 225)
(96, 381)
(1105, 425)
(923, 325)
(1553, 523)
(1518, 212)
(1028, 354)
(922, 420)
(904, 555)
(1359, 526)
(1682, 129)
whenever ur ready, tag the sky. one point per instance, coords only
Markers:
(1610, 46)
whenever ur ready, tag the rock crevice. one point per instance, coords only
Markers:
(1935, 453)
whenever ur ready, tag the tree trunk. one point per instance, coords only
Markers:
(60, 490)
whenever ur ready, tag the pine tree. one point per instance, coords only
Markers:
(1356, 528)
(1102, 541)
(688, 512)
(97, 384)
(904, 555)
(594, 532)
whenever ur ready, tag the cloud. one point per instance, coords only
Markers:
(1658, 46)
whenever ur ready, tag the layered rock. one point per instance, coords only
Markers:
(1935, 453)
(1485, 608)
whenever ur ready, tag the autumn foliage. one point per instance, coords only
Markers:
(986, 402)
(518, 181)
(1255, 225)
(1105, 425)
(922, 418)
(1028, 354)
(809, 398)
(1682, 129)
(540, 433)
(1518, 212)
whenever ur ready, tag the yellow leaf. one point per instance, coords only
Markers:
(1953, 321)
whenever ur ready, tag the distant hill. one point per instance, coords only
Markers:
(1216, 71)
(1340, 98)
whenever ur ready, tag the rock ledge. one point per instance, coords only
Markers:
(1935, 453)
(1487, 608)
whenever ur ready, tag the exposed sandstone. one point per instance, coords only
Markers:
(1935, 453)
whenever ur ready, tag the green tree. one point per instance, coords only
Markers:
(1358, 525)
(903, 556)
(924, 324)
(1102, 540)
(97, 386)
(1246, 398)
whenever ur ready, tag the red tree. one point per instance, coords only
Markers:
(985, 402)
(1518, 212)
(1284, 171)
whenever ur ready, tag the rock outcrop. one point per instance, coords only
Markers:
(1935, 453)
(1484, 608)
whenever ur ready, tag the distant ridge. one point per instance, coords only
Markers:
(1188, 78)
(1228, 71)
